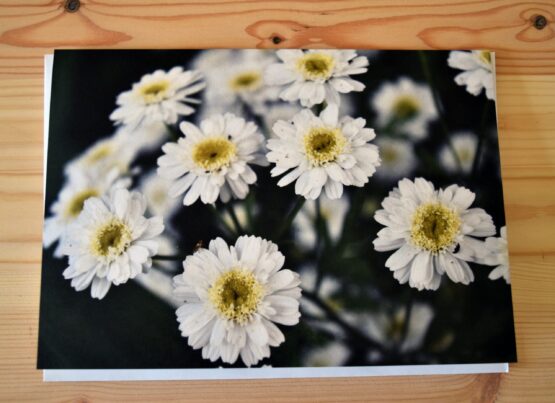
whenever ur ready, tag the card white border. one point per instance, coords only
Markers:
(71, 375)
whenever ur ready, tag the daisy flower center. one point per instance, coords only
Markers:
(406, 107)
(75, 205)
(111, 239)
(155, 91)
(323, 145)
(316, 66)
(434, 227)
(246, 82)
(389, 155)
(236, 295)
(465, 155)
(99, 153)
(214, 153)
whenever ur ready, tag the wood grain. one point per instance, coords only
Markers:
(526, 93)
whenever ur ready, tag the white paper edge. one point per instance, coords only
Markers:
(60, 375)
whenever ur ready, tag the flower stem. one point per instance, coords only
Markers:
(176, 258)
(286, 223)
(238, 228)
(334, 317)
(481, 138)
(219, 217)
(439, 106)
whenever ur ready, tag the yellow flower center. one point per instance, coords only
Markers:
(389, 155)
(99, 153)
(75, 205)
(485, 56)
(323, 145)
(246, 82)
(214, 153)
(316, 66)
(111, 239)
(236, 295)
(154, 92)
(465, 155)
(434, 227)
(394, 329)
(406, 107)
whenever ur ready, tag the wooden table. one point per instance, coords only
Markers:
(526, 103)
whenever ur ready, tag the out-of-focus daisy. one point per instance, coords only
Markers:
(241, 213)
(315, 76)
(333, 354)
(156, 189)
(323, 152)
(464, 145)
(498, 256)
(478, 71)
(213, 160)
(387, 328)
(397, 158)
(110, 242)
(79, 187)
(103, 156)
(159, 97)
(233, 296)
(433, 232)
(242, 79)
(332, 211)
(148, 137)
(406, 106)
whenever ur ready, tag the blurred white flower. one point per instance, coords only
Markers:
(332, 211)
(407, 105)
(397, 158)
(159, 97)
(241, 214)
(167, 247)
(156, 191)
(464, 145)
(426, 227)
(323, 152)
(213, 160)
(333, 354)
(315, 76)
(280, 111)
(147, 137)
(242, 79)
(79, 187)
(110, 242)
(478, 71)
(103, 156)
(498, 256)
(387, 328)
(232, 297)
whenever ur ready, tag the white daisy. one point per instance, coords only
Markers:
(232, 297)
(323, 152)
(478, 66)
(110, 242)
(147, 137)
(213, 160)
(397, 158)
(498, 256)
(79, 187)
(387, 328)
(405, 105)
(159, 97)
(103, 156)
(433, 232)
(464, 145)
(315, 76)
(332, 211)
(242, 79)
(333, 354)
(156, 189)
